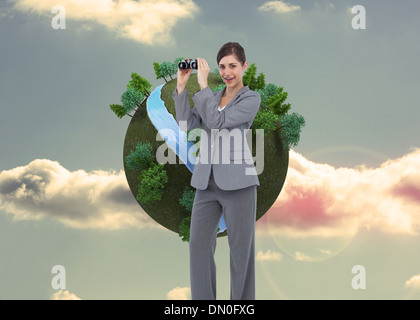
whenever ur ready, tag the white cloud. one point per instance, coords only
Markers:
(64, 295)
(323, 201)
(300, 256)
(78, 199)
(269, 255)
(278, 7)
(146, 21)
(179, 293)
(317, 199)
(413, 282)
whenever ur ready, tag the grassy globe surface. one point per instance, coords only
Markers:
(168, 212)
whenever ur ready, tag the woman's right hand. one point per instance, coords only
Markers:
(182, 79)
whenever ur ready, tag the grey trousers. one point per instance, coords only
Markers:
(239, 209)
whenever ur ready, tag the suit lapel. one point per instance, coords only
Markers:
(219, 94)
(240, 92)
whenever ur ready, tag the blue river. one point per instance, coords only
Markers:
(168, 128)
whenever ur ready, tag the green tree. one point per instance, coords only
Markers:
(187, 198)
(266, 120)
(166, 70)
(118, 110)
(152, 182)
(137, 89)
(184, 229)
(131, 99)
(263, 97)
(187, 201)
(156, 67)
(249, 78)
(140, 84)
(260, 82)
(141, 157)
(276, 102)
(291, 126)
(271, 90)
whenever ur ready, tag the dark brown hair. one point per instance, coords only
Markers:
(232, 48)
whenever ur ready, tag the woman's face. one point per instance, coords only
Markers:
(231, 71)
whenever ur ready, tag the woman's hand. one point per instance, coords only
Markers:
(203, 73)
(182, 79)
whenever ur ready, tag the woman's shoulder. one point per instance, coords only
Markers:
(253, 92)
(246, 92)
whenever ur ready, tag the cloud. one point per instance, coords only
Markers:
(64, 295)
(145, 21)
(300, 256)
(278, 7)
(77, 199)
(269, 255)
(317, 200)
(179, 293)
(323, 201)
(413, 282)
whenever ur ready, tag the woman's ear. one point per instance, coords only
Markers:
(245, 66)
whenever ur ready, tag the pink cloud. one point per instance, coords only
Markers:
(409, 189)
(318, 199)
(305, 208)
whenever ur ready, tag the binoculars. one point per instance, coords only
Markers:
(188, 64)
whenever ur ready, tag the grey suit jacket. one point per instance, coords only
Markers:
(223, 141)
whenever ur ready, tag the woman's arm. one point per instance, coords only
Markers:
(183, 111)
(241, 111)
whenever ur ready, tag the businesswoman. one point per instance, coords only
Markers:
(224, 174)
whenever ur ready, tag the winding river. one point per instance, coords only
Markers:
(166, 125)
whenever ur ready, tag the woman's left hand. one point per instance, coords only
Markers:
(202, 73)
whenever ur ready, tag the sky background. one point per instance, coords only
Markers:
(352, 193)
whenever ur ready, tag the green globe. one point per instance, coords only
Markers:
(168, 211)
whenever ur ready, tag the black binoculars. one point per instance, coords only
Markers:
(188, 64)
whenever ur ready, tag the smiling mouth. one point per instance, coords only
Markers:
(229, 79)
